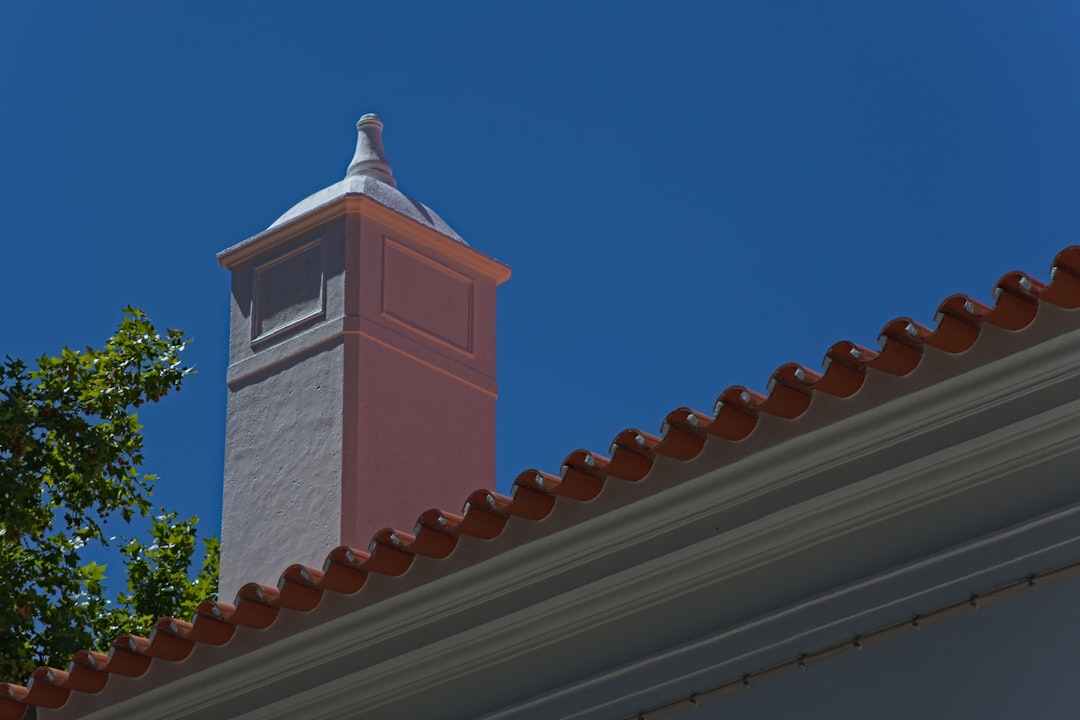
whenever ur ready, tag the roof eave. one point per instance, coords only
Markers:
(846, 468)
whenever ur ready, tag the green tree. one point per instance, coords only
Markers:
(70, 452)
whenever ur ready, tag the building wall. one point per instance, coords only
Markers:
(1012, 657)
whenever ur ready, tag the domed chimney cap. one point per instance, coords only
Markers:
(370, 175)
(370, 158)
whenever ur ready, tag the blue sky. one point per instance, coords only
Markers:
(690, 194)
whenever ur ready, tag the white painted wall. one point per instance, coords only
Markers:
(1011, 658)
(283, 425)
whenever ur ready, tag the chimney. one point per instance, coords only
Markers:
(361, 381)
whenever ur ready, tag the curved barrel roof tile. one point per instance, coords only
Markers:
(584, 475)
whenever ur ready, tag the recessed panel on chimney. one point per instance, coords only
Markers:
(427, 296)
(289, 292)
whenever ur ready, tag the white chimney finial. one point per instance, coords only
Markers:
(370, 159)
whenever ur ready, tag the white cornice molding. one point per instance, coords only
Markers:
(353, 205)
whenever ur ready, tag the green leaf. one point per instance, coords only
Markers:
(70, 456)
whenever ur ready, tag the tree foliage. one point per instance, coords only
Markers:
(70, 453)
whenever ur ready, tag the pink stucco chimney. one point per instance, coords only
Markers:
(361, 381)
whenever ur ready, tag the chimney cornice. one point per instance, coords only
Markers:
(357, 204)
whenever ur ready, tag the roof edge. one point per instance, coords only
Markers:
(647, 536)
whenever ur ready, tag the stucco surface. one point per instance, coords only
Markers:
(425, 440)
(282, 469)
(364, 413)
(282, 485)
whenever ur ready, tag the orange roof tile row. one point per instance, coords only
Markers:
(582, 477)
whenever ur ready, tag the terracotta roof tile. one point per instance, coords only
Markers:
(583, 476)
